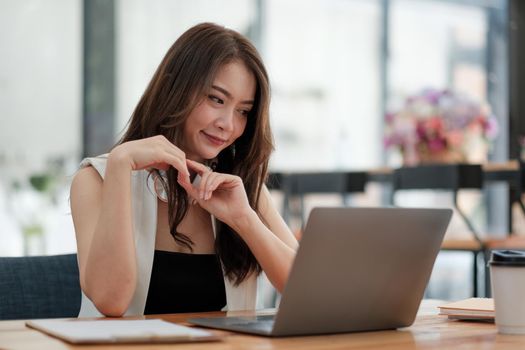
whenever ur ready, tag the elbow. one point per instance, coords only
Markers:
(279, 289)
(112, 304)
(111, 301)
(111, 308)
(280, 284)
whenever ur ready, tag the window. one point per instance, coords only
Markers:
(323, 61)
(40, 118)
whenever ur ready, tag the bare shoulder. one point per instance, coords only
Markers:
(85, 200)
(87, 180)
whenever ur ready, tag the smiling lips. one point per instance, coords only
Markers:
(214, 140)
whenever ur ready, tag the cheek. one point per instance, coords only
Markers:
(200, 117)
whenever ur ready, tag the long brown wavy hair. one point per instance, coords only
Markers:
(181, 81)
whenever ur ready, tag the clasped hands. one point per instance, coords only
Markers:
(222, 195)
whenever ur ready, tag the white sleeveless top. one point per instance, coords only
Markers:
(144, 211)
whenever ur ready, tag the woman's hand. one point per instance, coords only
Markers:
(222, 195)
(152, 152)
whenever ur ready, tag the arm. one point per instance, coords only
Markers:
(274, 220)
(102, 215)
(273, 244)
(106, 253)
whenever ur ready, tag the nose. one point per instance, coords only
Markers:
(225, 121)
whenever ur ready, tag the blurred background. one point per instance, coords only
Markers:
(343, 73)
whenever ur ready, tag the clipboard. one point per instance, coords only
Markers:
(77, 331)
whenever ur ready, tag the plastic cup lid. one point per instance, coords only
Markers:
(507, 258)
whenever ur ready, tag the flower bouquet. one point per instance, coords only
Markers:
(438, 126)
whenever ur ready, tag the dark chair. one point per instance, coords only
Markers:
(299, 185)
(443, 177)
(517, 187)
(39, 287)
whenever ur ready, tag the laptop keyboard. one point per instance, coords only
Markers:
(265, 318)
(262, 322)
(264, 326)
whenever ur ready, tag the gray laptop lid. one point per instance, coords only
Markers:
(360, 269)
(357, 269)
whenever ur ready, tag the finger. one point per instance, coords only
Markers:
(178, 164)
(214, 179)
(190, 190)
(168, 145)
(183, 178)
(229, 181)
(214, 183)
(196, 166)
(203, 184)
(203, 172)
(173, 152)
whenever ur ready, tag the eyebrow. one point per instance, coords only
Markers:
(229, 95)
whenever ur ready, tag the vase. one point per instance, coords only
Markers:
(421, 155)
(446, 156)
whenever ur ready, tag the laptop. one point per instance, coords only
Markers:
(356, 269)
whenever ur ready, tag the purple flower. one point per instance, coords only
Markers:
(437, 145)
(491, 128)
(436, 120)
(390, 117)
(432, 96)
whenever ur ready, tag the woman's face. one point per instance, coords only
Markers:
(221, 116)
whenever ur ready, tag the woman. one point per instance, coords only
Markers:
(158, 230)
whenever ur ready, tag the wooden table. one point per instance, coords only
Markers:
(430, 331)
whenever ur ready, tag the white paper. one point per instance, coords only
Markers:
(79, 331)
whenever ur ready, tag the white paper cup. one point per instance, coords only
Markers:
(507, 273)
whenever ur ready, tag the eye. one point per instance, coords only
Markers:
(216, 99)
(244, 112)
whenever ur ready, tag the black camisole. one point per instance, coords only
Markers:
(182, 282)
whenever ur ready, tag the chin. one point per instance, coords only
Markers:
(207, 155)
(206, 152)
